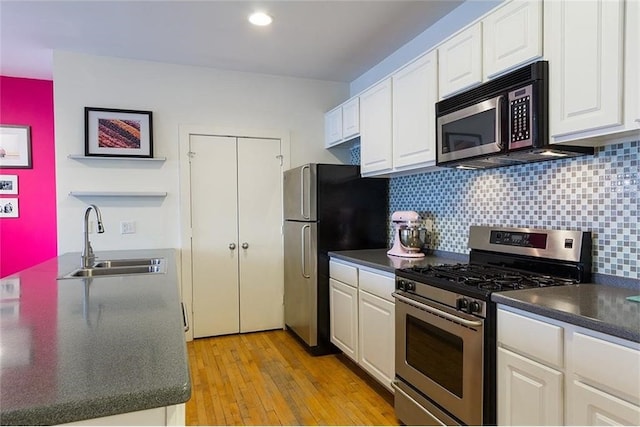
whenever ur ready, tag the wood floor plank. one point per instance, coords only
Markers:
(267, 378)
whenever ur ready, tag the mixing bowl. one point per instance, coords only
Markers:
(410, 239)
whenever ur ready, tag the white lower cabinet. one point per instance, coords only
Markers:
(561, 374)
(593, 407)
(362, 317)
(529, 393)
(343, 300)
(376, 327)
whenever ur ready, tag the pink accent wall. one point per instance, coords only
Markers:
(31, 238)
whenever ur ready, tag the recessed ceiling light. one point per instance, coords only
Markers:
(260, 18)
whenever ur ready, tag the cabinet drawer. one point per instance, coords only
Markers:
(613, 366)
(539, 340)
(377, 284)
(344, 273)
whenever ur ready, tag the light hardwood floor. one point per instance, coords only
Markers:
(267, 378)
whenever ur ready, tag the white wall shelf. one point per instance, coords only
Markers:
(118, 193)
(147, 159)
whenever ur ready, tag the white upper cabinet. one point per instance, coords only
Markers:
(333, 127)
(415, 93)
(512, 36)
(342, 123)
(375, 129)
(591, 72)
(351, 118)
(460, 61)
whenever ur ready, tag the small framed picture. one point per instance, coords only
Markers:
(15, 146)
(118, 133)
(9, 208)
(8, 184)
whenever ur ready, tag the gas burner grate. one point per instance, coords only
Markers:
(488, 278)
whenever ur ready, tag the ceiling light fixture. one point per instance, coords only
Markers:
(260, 19)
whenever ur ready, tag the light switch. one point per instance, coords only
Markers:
(127, 227)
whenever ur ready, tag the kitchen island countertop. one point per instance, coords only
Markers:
(378, 259)
(598, 307)
(76, 349)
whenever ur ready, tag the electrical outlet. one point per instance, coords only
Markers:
(91, 227)
(127, 227)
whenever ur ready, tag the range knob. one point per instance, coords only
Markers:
(474, 307)
(462, 304)
(406, 285)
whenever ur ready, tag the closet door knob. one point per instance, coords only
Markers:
(232, 246)
(245, 245)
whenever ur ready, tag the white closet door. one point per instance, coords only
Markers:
(260, 227)
(214, 228)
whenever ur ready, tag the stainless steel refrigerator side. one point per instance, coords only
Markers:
(301, 280)
(300, 193)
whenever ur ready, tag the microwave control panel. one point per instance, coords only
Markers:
(520, 117)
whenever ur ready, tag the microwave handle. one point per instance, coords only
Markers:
(503, 112)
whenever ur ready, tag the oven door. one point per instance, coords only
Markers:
(470, 132)
(439, 351)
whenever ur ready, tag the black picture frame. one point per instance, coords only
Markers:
(113, 132)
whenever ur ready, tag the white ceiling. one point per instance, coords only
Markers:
(327, 40)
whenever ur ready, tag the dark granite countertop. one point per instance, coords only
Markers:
(76, 349)
(602, 308)
(378, 259)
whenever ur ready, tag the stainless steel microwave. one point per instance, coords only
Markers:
(499, 123)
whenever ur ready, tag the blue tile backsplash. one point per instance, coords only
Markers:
(593, 193)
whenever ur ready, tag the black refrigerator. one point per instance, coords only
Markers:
(326, 208)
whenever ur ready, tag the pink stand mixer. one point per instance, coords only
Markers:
(407, 242)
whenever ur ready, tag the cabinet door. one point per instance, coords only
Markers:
(343, 314)
(351, 118)
(375, 129)
(460, 61)
(214, 263)
(584, 45)
(377, 337)
(333, 127)
(259, 248)
(529, 393)
(415, 92)
(512, 36)
(588, 406)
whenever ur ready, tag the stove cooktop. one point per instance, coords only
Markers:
(479, 280)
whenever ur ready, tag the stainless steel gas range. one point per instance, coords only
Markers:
(446, 322)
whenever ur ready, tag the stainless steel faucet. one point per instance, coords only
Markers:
(88, 256)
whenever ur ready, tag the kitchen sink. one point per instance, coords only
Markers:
(111, 263)
(119, 267)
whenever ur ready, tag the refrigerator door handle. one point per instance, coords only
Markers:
(304, 252)
(302, 191)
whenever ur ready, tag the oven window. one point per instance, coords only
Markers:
(469, 132)
(436, 353)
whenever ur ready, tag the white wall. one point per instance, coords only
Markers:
(177, 95)
(461, 16)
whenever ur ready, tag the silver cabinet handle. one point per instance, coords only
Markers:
(304, 252)
(245, 245)
(232, 246)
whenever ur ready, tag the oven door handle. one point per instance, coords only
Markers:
(433, 310)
